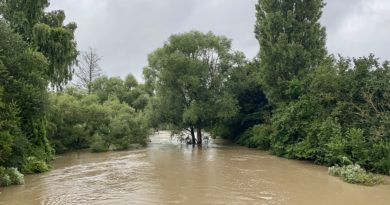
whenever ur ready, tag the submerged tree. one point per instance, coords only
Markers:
(88, 69)
(189, 73)
(292, 42)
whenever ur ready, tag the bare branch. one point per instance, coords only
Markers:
(88, 69)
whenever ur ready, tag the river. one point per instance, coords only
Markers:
(169, 173)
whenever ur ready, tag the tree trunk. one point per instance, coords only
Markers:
(89, 88)
(193, 135)
(199, 135)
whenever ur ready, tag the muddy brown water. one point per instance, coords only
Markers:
(169, 173)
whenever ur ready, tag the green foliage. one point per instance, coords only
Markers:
(15, 176)
(292, 42)
(259, 136)
(59, 46)
(354, 174)
(79, 120)
(188, 75)
(5, 179)
(8, 124)
(331, 111)
(98, 144)
(128, 91)
(131, 81)
(103, 87)
(34, 165)
(23, 15)
(379, 156)
(338, 118)
(253, 107)
(46, 33)
(23, 100)
(65, 127)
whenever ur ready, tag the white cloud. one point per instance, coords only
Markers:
(362, 30)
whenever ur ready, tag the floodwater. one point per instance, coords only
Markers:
(169, 173)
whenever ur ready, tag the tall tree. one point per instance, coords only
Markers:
(88, 69)
(292, 42)
(23, 100)
(23, 15)
(47, 33)
(190, 72)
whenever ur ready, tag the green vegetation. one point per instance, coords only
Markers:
(99, 120)
(10, 176)
(35, 50)
(292, 43)
(293, 99)
(325, 109)
(189, 72)
(23, 95)
(38, 51)
(355, 174)
(34, 165)
(45, 32)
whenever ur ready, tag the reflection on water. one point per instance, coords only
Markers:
(166, 173)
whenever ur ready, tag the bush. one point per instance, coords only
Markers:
(335, 150)
(10, 176)
(314, 145)
(98, 144)
(380, 158)
(5, 180)
(33, 165)
(98, 147)
(261, 136)
(15, 176)
(257, 136)
(354, 174)
(356, 146)
(86, 122)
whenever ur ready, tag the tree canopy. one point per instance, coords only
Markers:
(292, 42)
(190, 72)
(46, 32)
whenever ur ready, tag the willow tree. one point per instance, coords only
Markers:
(292, 42)
(46, 32)
(189, 74)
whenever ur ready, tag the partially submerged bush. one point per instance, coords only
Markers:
(15, 176)
(10, 176)
(354, 174)
(5, 180)
(257, 136)
(99, 145)
(86, 121)
(34, 165)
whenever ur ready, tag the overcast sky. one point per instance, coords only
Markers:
(124, 32)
